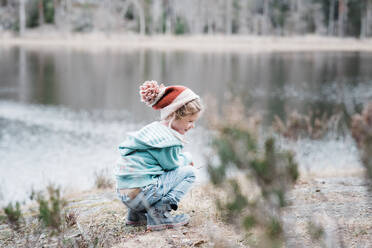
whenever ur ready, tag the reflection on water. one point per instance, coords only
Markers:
(109, 79)
(63, 112)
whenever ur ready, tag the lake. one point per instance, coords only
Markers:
(63, 111)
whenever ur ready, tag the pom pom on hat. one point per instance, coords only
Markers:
(167, 99)
(149, 92)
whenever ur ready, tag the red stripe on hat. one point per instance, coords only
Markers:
(170, 94)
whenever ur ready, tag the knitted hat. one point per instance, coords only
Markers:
(167, 99)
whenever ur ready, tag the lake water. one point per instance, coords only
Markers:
(64, 111)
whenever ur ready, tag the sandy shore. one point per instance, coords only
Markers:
(207, 43)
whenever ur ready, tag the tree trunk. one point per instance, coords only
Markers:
(141, 14)
(368, 19)
(363, 17)
(346, 16)
(293, 17)
(22, 17)
(265, 29)
(56, 9)
(156, 16)
(243, 17)
(41, 12)
(210, 24)
(228, 27)
(331, 18)
(342, 17)
(167, 17)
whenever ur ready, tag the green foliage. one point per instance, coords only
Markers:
(216, 173)
(271, 171)
(280, 13)
(275, 229)
(48, 11)
(13, 213)
(51, 209)
(249, 222)
(3, 219)
(239, 202)
(180, 26)
(32, 14)
(292, 167)
(234, 142)
(130, 13)
(354, 12)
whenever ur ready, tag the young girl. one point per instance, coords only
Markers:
(153, 173)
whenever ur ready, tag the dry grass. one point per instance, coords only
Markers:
(98, 220)
(102, 179)
(306, 125)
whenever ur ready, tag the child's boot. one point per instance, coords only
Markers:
(159, 217)
(135, 218)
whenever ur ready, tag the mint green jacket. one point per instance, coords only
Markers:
(148, 153)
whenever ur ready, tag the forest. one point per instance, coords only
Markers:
(341, 18)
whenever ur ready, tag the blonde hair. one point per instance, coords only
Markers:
(190, 108)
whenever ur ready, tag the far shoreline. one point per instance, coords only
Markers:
(202, 43)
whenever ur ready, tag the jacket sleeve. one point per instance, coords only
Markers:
(170, 158)
(187, 158)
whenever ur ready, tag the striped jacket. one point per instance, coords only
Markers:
(148, 153)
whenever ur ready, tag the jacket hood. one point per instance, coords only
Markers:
(154, 135)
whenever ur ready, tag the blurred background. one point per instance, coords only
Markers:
(257, 17)
(65, 109)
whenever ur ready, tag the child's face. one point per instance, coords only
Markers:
(186, 123)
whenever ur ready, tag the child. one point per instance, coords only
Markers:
(153, 173)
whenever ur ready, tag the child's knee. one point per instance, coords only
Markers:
(188, 173)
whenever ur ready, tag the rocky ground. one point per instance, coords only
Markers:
(342, 206)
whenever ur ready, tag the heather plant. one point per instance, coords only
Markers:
(51, 208)
(361, 129)
(255, 177)
(13, 214)
(308, 125)
(71, 218)
(102, 179)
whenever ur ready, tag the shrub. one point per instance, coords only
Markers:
(48, 11)
(271, 172)
(13, 214)
(305, 126)
(361, 129)
(180, 26)
(51, 209)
